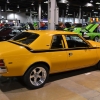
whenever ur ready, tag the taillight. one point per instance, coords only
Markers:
(2, 62)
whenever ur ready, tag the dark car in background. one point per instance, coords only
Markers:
(7, 33)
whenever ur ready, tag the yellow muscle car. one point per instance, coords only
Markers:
(36, 54)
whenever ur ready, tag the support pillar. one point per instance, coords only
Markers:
(6, 11)
(82, 18)
(74, 18)
(0, 12)
(39, 14)
(79, 14)
(53, 14)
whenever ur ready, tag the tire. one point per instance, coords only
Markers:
(96, 39)
(36, 76)
(98, 65)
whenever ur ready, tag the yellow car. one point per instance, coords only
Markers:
(36, 54)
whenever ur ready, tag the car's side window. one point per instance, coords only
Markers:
(74, 41)
(57, 42)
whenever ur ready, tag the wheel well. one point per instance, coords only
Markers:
(44, 63)
(96, 36)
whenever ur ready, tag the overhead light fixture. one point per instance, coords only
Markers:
(8, 1)
(46, 2)
(98, 3)
(17, 6)
(32, 3)
(66, 10)
(67, 7)
(70, 14)
(2, 10)
(9, 9)
(88, 5)
(96, 12)
(26, 10)
(91, 1)
(84, 15)
(6, 21)
(63, 1)
(2, 16)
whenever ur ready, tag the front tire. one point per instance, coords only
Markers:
(96, 39)
(36, 76)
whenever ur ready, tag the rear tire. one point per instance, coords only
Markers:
(36, 76)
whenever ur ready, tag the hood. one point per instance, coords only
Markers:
(89, 26)
(93, 43)
(93, 28)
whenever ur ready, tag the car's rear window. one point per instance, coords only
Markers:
(25, 37)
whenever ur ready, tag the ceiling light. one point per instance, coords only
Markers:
(17, 6)
(8, 1)
(84, 15)
(2, 10)
(2, 16)
(32, 3)
(6, 21)
(26, 10)
(46, 2)
(70, 14)
(63, 1)
(91, 1)
(67, 8)
(9, 9)
(89, 5)
(98, 3)
(96, 12)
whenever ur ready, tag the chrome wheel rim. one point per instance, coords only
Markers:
(38, 76)
(96, 39)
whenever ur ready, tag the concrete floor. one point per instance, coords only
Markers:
(81, 84)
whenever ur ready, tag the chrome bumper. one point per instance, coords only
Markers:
(3, 70)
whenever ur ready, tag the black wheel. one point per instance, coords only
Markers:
(36, 76)
(96, 39)
(98, 65)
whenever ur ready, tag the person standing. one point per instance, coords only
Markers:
(60, 26)
(98, 29)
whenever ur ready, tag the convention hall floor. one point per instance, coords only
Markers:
(81, 84)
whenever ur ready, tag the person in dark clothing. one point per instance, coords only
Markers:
(60, 26)
(31, 26)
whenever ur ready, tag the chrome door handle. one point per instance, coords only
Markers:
(70, 54)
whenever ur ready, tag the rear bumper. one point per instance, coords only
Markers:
(3, 70)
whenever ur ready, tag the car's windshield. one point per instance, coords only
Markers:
(25, 37)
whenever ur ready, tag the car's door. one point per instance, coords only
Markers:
(57, 54)
(80, 53)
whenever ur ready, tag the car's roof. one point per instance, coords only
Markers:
(40, 32)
